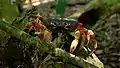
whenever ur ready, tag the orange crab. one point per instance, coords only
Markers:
(83, 34)
(39, 30)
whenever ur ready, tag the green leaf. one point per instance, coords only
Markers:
(60, 6)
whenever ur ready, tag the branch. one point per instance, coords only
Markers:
(23, 36)
(89, 62)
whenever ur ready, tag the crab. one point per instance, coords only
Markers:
(81, 35)
(73, 27)
(38, 29)
(60, 25)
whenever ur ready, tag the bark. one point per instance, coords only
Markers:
(89, 62)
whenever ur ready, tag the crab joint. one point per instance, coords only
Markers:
(91, 35)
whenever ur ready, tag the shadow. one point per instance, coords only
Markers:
(89, 17)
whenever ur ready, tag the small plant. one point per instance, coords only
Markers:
(60, 6)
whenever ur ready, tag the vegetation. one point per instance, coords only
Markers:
(19, 47)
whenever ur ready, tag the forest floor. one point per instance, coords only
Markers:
(107, 31)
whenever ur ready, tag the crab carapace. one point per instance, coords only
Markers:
(61, 25)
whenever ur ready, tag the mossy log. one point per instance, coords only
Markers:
(89, 62)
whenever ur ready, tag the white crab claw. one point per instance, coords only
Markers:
(73, 45)
(75, 41)
(77, 35)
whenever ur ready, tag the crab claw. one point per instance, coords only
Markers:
(77, 35)
(73, 45)
(75, 41)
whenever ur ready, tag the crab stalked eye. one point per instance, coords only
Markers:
(52, 23)
(67, 25)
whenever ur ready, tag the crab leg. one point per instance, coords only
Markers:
(91, 35)
(94, 45)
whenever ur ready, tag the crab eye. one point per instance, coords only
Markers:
(53, 24)
(67, 25)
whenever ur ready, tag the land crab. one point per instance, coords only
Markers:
(37, 28)
(82, 36)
